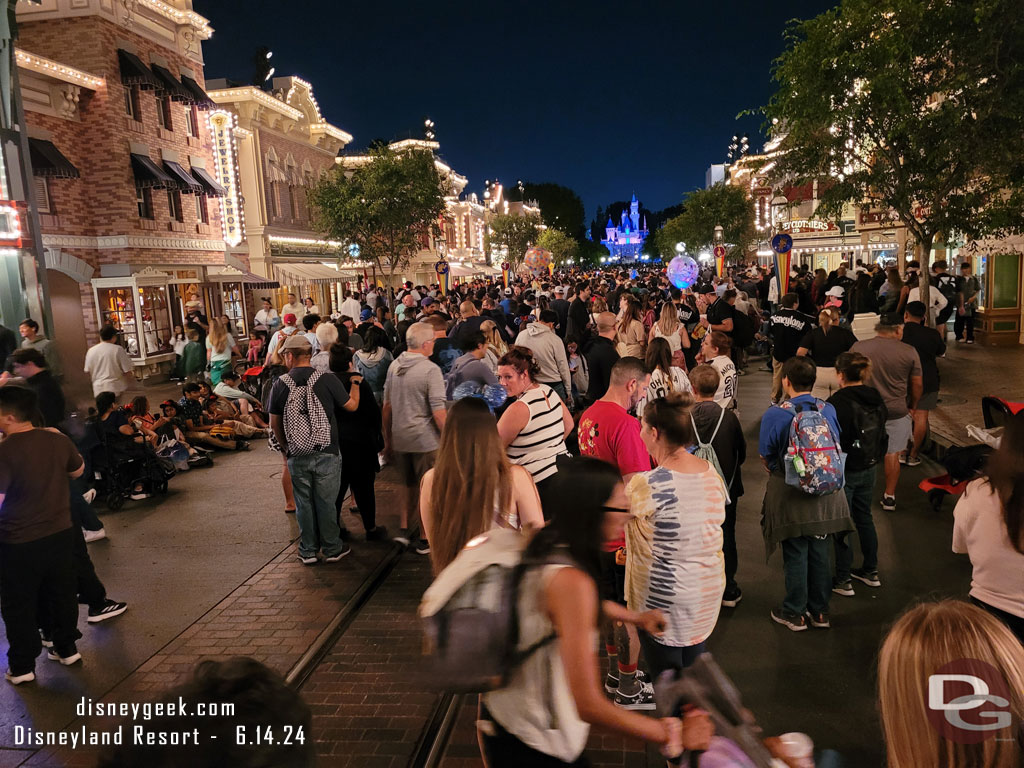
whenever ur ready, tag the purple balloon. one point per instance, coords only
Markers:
(682, 272)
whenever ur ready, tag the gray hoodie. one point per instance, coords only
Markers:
(468, 368)
(415, 389)
(549, 352)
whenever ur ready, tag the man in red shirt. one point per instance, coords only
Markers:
(608, 431)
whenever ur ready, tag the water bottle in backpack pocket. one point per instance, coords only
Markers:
(814, 462)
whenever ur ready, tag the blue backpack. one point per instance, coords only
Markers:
(814, 449)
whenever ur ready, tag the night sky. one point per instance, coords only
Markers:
(605, 98)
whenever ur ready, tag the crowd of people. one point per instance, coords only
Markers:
(598, 415)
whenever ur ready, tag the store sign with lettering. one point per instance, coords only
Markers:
(222, 126)
(800, 226)
(877, 217)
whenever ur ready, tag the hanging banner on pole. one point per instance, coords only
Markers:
(782, 244)
(506, 268)
(442, 269)
(719, 252)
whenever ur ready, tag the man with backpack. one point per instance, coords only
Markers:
(861, 413)
(720, 442)
(804, 501)
(301, 405)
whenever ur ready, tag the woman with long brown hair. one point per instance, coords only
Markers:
(496, 346)
(631, 338)
(988, 526)
(473, 487)
(666, 377)
(924, 641)
(824, 345)
(890, 295)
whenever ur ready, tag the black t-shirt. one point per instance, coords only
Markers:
(729, 444)
(788, 329)
(601, 356)
(688, 316)
(721, 311)
(328, 388)
(50, 396)
(929, 345)
(359, 431)
(110, 427)
(823, 348)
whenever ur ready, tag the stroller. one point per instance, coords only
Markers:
(964, 463)
(118, 472)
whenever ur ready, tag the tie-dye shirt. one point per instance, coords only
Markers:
(674, 550)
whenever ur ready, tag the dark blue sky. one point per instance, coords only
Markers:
(606, 98)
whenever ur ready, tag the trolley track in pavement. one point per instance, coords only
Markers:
(433, 739)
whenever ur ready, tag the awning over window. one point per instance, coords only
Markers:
(210, 186)
(460, 270)
(183, 179)
(170, 86)
(150, 175)
(313, 273)
(229, 274)
(198, 95)
(49, 161)
(134, 72)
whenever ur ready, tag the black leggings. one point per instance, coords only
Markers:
(503, 750)
(359, 473)
(1015, 623)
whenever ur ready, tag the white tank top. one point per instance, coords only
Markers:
(674, 342)
(537, 706)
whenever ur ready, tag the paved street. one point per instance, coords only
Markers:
(210, 572)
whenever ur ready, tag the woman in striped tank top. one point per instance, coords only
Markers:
(533, 429)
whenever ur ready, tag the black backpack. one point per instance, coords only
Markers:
(947, 286)
(742, 330)
(869, 439)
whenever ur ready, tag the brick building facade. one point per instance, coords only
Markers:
(284, 146)
(138, 233)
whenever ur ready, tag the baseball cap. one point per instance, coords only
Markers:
(289, 318)
(426, 302)
(366, 314)
(297, 342)
(508, 291)
(835, 290)
(559, 291)
(166, 403)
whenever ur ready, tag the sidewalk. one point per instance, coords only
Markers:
(966, 374)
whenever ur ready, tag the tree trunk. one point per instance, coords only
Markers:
(923, 252)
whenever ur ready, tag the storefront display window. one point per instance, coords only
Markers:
(1005, 280)
(156, 319)
(981, 269)
(233, 304)
(117, 308)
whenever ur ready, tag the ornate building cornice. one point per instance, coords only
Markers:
(133, 241)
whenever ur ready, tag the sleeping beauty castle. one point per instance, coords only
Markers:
(626, 241)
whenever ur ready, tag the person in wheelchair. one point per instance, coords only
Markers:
(123, 442)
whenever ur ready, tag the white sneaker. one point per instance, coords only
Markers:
(67, 661)
(94, 535)
(13, 679)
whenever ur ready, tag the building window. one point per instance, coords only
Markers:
(192, 120)
(43, 195)
(294, 198)
(163, 109)
(233, 302)
(275, 199)
(117, 308)
(174, 204)
(132, 107)
(202, 211)
(144, 199)
(156, 319)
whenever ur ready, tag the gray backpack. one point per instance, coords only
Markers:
(706, 452)
(470, 618)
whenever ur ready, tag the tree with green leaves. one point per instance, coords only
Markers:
(383, 207)
(560, 207)
(703, 210)
(513, 232)
(913, 106)
(562, 246)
